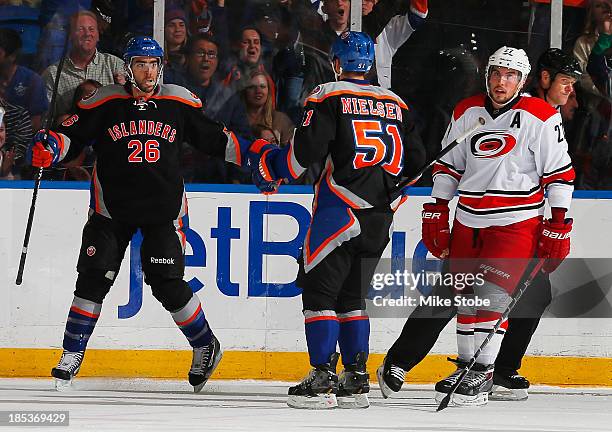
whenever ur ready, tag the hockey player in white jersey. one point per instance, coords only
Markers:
(500, 174)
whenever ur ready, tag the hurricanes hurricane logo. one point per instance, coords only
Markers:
(492, 144)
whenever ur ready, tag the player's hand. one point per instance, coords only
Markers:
(43, 153)
(435, 229)
(263, 176)
(554, 243)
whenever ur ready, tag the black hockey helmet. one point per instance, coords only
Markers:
(555, 60)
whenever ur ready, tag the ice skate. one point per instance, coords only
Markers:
(390, 378)
(444, 386)
(204, 363)
(475, 387)
(318, 390)
(354, 384)
(509, 387)
(67, 368)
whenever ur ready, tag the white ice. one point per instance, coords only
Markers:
(106, 404)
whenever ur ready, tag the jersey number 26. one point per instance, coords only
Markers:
(373, 146)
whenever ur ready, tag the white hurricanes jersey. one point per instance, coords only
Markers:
(501, 170)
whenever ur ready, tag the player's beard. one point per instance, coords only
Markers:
(146, 85)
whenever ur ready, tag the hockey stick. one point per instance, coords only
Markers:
(48, 122)
(401, 185)
(515, 299)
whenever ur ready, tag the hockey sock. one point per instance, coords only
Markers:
(354, 335)
(190, 319)
(321, 329)
(485, 321)
(82, 319)
(466, 318)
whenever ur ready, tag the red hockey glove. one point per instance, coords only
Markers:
(435, 230)
(40, 156)
(554, 243)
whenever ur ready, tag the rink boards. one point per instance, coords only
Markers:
(241, 262)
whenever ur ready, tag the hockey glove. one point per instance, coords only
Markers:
(261, 173)
(43, 153)
(435, 230)
(554, 243)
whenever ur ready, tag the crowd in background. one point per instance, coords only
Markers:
(252, 63)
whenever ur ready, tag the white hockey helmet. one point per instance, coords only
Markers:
(511, 58)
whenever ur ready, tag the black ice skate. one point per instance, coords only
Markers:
(390, 378)
(318, 390)
(205, 360)
(444, 387)
(475, 387)
(509, 386)
(67, 368)
(354, 384)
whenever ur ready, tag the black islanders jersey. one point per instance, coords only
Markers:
(366, 136)
(136, 178)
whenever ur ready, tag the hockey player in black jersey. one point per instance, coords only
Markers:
(137, 130)
(366, 138)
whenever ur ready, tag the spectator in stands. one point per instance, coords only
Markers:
(18, 129)
(175, 37)
(597, 13)
(54, 20)
(318, 35)
(18, 84)
(599, 67)
(249, 60)
(267, 133)
(260, 111)
(393, 36)
(218, 103)
(7, 156)
(84, 61)
(209, 18)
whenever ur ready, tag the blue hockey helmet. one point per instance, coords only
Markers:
(355, 50)
(142, 46)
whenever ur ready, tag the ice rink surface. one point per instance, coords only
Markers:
(162, 405)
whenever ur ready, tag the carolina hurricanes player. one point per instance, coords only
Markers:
(500, 174)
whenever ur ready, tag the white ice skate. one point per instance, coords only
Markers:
(67, 368)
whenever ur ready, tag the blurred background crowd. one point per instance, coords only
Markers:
(253, 62)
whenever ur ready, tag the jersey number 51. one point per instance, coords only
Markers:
(373, 146)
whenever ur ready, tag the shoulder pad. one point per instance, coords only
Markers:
(537, 107)
(467, 103)
(179, 94)
(344, 88)
(102, 95)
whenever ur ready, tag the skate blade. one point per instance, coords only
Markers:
(62, 385)
(319, 402)
(198, 388)
(384, 388)
(466, 401)
(353, 401)
(500, 393)
(463, 400)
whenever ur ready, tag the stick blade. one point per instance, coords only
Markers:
(444, 402)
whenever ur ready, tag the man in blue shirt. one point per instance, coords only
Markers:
(18, 84)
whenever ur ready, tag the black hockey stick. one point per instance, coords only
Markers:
(48, 123)
(536, 269)
(401, 185)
